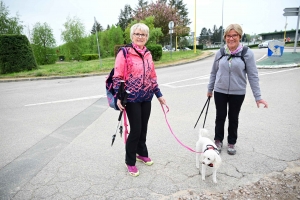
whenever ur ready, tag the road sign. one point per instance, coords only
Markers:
(171, 25)
(291, 9)
(290, 14)
(293, 12)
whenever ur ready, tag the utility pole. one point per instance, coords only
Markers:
(95, 22)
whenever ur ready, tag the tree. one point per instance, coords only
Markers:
(15, 54)
(73, 35)
(125, 17)
(244, 39)
(97, 27)
(43, 44)
(203, 36)
(163, 14)
(216, 35)
(116, 38)
(9, 25)
(142, 6)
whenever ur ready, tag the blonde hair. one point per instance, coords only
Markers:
(235, 27)
(139, 26)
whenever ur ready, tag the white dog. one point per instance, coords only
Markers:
(209, 155)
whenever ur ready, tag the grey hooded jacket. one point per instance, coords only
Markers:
(231, 78)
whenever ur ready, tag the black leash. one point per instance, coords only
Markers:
(206, 103)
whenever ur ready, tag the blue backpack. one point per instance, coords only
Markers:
(110, 92)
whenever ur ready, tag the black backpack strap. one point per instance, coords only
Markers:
(222, 50)
(244, 51)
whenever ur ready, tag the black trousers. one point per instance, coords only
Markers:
(138, 115)
(234, 104)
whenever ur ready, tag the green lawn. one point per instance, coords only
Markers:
(89, 67)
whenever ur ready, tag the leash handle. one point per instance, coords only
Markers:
(207, 101)
(165, 113)
(206, 111)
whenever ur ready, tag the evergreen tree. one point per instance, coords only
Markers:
(203, 36)
(97, 27)
(125, 17)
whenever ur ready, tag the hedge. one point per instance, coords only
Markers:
(16, 54)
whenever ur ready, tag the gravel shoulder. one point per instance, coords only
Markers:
(283, 185)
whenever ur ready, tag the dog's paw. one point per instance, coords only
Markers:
(215, 181)
(197, 166)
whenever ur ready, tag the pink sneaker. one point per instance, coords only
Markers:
(145, 160)
(133, 171)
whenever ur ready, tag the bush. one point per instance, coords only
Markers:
(44, 55)
(15, 54)
(87, 57)
(156, 51)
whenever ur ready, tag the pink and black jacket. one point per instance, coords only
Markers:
(141, 79)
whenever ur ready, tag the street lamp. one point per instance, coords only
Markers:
(176, 2)
(171, 26)
(222, 23)
(195, 30)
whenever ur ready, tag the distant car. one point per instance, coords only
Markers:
(165, 49)
(183, 49)
(264, 44)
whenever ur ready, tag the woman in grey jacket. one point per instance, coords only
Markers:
(228, 80)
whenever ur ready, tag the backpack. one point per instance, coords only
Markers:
(110, 92)
(244, 51)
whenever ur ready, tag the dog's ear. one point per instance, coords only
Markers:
(218, 160)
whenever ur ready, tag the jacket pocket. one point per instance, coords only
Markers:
(222, 82)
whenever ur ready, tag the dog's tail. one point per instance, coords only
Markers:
(203, 132)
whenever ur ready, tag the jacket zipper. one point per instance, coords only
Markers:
(229, 63)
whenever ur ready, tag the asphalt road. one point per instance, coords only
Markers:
(55, 137)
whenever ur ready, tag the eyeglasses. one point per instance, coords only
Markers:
(232, 36)
(140, 35)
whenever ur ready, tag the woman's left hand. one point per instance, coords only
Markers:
(262, 102)
(162, 100)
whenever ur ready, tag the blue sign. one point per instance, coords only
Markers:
(275, 48)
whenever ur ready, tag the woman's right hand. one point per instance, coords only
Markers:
(120, 105)
(209, 94)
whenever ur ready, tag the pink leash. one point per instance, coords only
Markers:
(125, 126)
(165, 113)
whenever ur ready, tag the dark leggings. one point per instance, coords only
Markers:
(138, 116)
(234, 103)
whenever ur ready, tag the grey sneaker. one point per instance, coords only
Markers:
(219, 145)
(231, 150)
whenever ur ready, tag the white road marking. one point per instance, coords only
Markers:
(267, 73)
(170, 85)
(261, 58)
(67, 100)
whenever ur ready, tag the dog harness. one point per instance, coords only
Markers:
(211, 147)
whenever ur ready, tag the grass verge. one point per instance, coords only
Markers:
(75, 68)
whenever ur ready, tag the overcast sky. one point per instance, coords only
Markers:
(255, 16)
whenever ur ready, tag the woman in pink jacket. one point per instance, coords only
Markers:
(141, 82)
